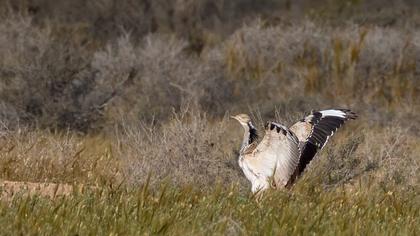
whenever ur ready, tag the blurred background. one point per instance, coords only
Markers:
(138, 80)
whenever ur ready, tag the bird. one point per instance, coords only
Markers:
(280, 157)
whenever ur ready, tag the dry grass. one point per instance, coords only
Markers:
(190, 148)
(42, 156)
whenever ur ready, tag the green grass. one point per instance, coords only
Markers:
(307, 210)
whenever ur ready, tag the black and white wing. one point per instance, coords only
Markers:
(315, 130)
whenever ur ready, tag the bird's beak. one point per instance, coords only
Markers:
(233, 117)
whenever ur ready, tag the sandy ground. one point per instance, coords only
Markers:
(8, 189)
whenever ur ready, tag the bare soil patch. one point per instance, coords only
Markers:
(9, 189)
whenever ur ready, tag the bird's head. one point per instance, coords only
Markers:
(243, 119)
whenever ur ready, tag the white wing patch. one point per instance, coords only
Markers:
(336, 113)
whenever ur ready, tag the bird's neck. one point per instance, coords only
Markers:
(250, 135)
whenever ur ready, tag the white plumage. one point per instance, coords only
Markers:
(283, 153)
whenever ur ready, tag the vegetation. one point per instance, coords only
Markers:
(132, 100)
(217, 211)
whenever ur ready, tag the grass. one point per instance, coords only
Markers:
(167, 210)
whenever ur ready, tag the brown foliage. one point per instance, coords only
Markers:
(124, 78)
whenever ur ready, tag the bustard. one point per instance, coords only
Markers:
(282, 155)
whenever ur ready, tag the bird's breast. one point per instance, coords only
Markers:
(246, 169)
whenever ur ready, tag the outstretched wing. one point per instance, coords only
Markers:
(277, 155)
(315, 130)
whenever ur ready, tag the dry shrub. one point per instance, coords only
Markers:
(337, 64)
(185, 150)
(53, 82)
(56, 83)
(107, 19)
(44, 78)
(164, 77)
(271, 60)
(21, 45)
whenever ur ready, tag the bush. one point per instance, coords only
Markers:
(183, 151)
(166, 77)
(45, 79)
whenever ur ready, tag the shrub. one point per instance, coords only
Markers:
(186, 150)
(45, 81)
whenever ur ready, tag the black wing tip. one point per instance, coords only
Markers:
(350, 115)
